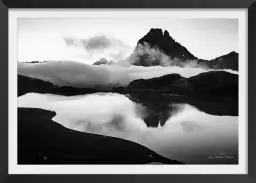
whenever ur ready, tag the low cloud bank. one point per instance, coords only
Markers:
(69, 73)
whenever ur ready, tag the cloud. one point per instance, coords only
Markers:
(119, 56)
(69, 73)
(100, 46)
(70, 42)
(92, 44)
(98, 43)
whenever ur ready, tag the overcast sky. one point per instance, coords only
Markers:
(88, 40)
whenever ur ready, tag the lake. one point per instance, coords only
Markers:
(178, 128)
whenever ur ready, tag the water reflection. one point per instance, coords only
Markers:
(158, 108)
(164, 123)
(190, 127)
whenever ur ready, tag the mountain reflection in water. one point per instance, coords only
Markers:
(159, 107)
(183, 129)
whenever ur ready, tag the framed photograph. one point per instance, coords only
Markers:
(152, 88)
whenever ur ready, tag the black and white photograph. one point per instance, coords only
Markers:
(128, 91)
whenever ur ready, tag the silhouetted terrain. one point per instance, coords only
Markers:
(207, 84)
(167, 83)
(215, 84)
(27, 85)
(43, 141)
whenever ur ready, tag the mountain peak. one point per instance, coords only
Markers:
(155, 35)
(157, 38)
(152, 37)
(156, 31)
(166, 34)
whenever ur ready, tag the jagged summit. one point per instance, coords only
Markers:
(156, 37)
(161, 40)
(167, 36)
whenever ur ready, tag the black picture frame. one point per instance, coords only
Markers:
(250, 5)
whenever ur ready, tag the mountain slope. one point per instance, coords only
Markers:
(156, 38)
(228, 61)
(159, 48)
